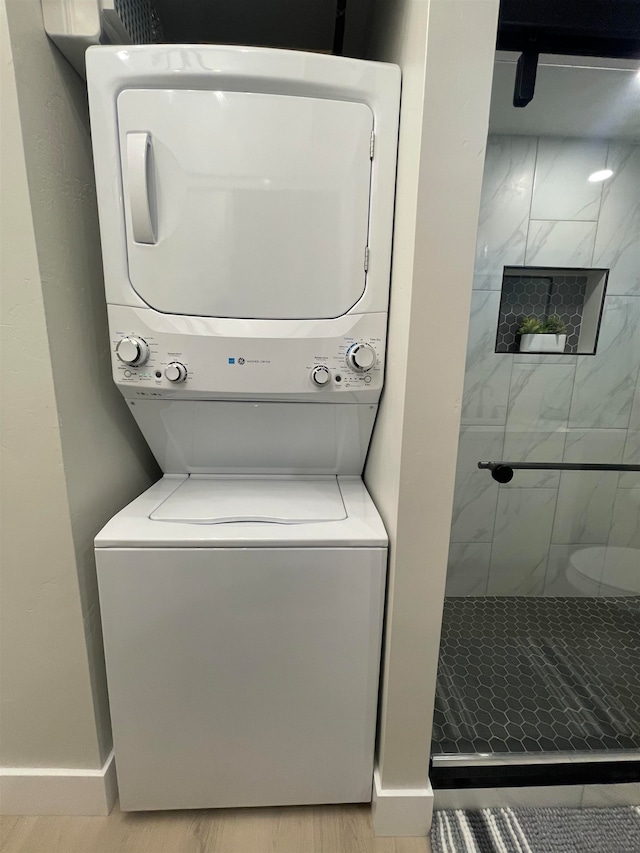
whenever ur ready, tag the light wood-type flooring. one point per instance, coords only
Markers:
(304, 829)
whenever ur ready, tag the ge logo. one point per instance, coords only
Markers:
(241, 361)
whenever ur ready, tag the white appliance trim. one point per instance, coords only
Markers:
(58, 790)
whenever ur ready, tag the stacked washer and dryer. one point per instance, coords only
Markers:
(246, 203)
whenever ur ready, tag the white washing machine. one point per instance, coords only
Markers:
(246, 201)
(242, 622)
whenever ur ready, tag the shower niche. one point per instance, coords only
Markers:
(574, 295)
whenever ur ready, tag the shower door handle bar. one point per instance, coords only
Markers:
(503, 471)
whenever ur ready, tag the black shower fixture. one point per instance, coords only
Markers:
(605, 28)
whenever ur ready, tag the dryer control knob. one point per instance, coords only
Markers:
(320, 374)
(133, 351)
(361, 357)
(175, 372)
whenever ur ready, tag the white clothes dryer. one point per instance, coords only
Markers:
(246, 205)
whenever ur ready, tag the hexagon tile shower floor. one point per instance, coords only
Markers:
(538, 675)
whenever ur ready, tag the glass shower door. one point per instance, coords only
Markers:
(540, 650)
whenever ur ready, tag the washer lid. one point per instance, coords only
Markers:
(220, 500)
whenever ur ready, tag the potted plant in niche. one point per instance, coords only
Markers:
(536, 336)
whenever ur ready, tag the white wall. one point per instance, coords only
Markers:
(73, 455)
(446, 50)
(47, 715)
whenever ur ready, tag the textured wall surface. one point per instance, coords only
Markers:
(538, 208)
(104, 462)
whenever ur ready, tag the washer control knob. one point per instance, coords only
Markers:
(361, 357)
(133, 351)
(175, 372)
(320, 374)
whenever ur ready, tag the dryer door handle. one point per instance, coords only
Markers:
(139, 163)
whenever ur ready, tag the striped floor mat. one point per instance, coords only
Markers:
(608, 830)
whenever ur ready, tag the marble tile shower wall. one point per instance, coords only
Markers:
(538, 208)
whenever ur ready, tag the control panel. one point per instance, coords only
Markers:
(339, 359)
(361, 357)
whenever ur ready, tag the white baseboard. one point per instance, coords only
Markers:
(401, 811)
(58, 791)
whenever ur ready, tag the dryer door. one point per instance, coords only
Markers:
(245, 205)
